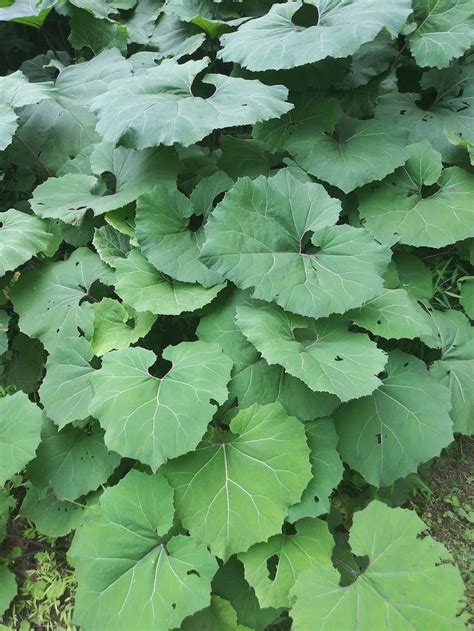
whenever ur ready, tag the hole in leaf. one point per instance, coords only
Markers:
(405, 364)
(195, 222)
(173, 605)
(201, 89)
(218, 198)
(288, 529)
(307, 15)
(272, 565)
(379, 322)
(380, 438)
(195, 572)
(429, 191)
(306, 247)
(316, 499)
(383, 374)
(160, 368)
(338, 358)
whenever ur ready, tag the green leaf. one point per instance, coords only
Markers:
(326, 467)
(455, 368)
(56, 308)
(72, 461)
(323, 354)
(97, 35)
(116, 325)
(110, 244)
(21, 237)
(154, 419)
(467, 297)
(275, 235)
(351, 153)
(165, 233)
(220, 616)
(414, 276)
(394, 314)
(400, 588)
(8, 588)
(445, 31)
(66, 390)
(129, 172)
(275, 41)
(103, 8)
(159, 106)
(20, 433)
(138, 283)
(405, 422)
(229, 582)
(23, 366)
(271, 568)
(21, 10)
(173, 38)
(235, 488)
(420, 205)
(15, 92)
(125, 555)
(253, 380)
(60, 127)
(51, 516)
(4, 322)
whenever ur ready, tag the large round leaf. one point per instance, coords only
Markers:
(132, 574)
(153, 419)
(20, 433)
(404, 208)
(408, 583)
(235, 488)
(274, 41)
(51, 300)
(405, 422)
(276, 235)
(323, 353)
(21, 237)
(271, 568)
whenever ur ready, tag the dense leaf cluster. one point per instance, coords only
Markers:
(226, 342)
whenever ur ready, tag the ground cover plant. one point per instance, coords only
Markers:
(236, 258)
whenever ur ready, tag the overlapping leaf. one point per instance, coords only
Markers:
(276, 236)
(378, 598)
(157, 418)
(235, 488)
(21, 237)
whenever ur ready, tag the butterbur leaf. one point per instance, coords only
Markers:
(66, 391)
(20, 433)
(351, 153)
(274, 41)
(157, 418)
(165, 234)
(414, 276)
(97, 35)
(229, 583)
(220, 616)
(16, 91)
(445, 31)
(394, 314)
(8, 588)
(235, 488)
(116, 325)
(103, 8)
(276, 236)
(405, 422)
(420, 205)
(23, 366)
(60, 127)
(323, 354)
(51, 301)
(253, 380)
(72, 461)
(138, 283)
(272, 567)
(327, 470)
(455, 368)
(21, 237)
(160, 108)
(161, 579)
(378, 598)
(111, 244)
(467, 297)
(121, 175)
(53, 517)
